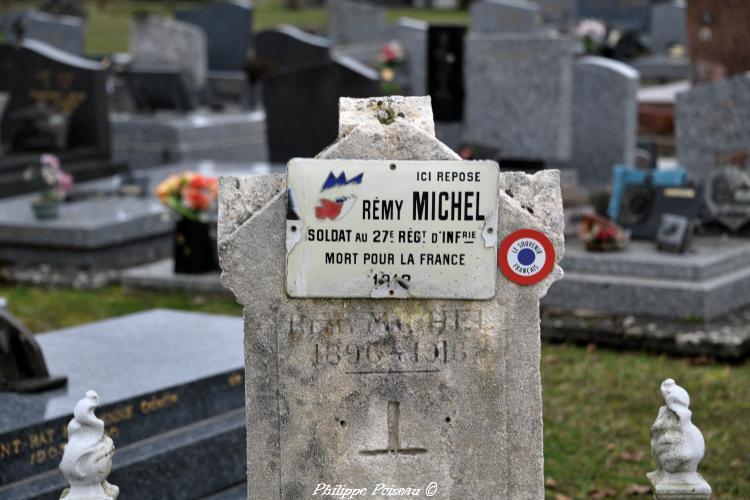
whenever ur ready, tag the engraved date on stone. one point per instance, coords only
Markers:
(374, 354)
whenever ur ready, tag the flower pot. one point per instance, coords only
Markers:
(195, 249)
(45, 209)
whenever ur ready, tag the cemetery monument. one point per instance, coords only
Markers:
(409, 360)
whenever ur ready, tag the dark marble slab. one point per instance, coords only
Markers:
(155, 372)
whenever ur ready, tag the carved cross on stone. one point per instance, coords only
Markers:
(394, 445)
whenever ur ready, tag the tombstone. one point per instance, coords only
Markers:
(22, 365)
(350, 21)
(712, 126)
(4, 98)
(301, 102)
(41, 79)
(668, 26)
(505, 16)
(412, 34)
(626, 15)
(719, 38)
(445, 71)
(153, 88)
(561, 14)
(175, 412)
(156, 40)
(228, 25)
(413, 391)
(62, 32)
(605, 118)
(519, 90)
(287, 46)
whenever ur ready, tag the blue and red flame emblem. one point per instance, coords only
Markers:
(339, 198)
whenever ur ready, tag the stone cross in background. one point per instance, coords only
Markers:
(450, 388)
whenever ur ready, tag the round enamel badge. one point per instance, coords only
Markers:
(526, 256)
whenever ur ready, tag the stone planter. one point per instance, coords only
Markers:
(195, 249)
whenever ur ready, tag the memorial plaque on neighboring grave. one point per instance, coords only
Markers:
(391, 229)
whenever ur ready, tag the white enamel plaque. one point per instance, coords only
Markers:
(392, 229)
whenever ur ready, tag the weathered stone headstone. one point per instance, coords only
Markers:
(505, 16)
(605, 118)
(62, 32)
(443, 396)
(156, 40)
(719, 38)
(519, 90)
(561, 14)
(445, 71)
(351, 21)
(412, 33)
(668, 26)
(301, 103)
(228, 26)
(712, 126)
(621, 14)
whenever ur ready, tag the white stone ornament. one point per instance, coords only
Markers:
(87, 459)
(677, 446)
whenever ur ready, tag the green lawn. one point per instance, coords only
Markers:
(598, 405)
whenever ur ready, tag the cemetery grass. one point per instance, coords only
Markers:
(108, 28)
(598, 404)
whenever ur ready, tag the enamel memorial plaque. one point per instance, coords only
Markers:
(391, 229)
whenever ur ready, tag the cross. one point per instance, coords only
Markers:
(394, 447)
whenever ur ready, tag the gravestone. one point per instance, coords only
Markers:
(156, 41)
(712, 126)
(350, 21)
(505, 16)
(445, 71)
(287, 46)
(43, 80)
(171, 400)
(412, 34)
(62, 32)
(668, 26)
(438, 395)
(228, 26)
(519, 90)
(561, 14)
(301, 103)
(605, 118)
(158, 87)
(630, 15)
(719, 38)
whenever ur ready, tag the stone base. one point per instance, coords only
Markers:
(172, 392)
(680, 486)
(711, 281)
(161, 276)
(659, 67)
(148, 140)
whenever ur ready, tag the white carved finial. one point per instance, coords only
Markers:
(87, 459)
(677, 446)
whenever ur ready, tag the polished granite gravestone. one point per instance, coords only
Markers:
(668, 26)
(160, 276)
(559, 14)
(40, 77)
(621, 14)
(519, 94)
(412, 34)
(65, 33)
(505, 16)
(157, 40)
(605, 118)
(712, 279)
(351, 21)
(712, 126)
(286, 46)
(146, 140)
(343, 391)
(101, 231)
(172, 397)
